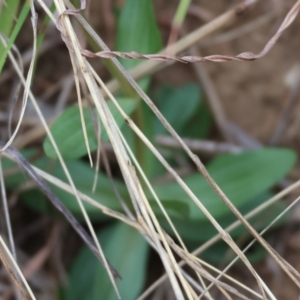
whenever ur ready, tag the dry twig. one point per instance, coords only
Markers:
(245, 56)
(199, 146)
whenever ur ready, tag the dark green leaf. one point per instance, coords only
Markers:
(7, 17)
(241, 176)
(194, 230)
(137, 30)
(175, 209)
(83, 177)
(68, 134)
(81, 277)
(127, 250)
(178, 106)
(199, 125)
(221, 253)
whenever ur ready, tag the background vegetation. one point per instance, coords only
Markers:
(147, 200)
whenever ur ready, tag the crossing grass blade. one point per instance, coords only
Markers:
(5, 27)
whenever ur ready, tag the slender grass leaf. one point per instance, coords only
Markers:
(181, 12)
(68, 134)
(8, 13)
(20, 21)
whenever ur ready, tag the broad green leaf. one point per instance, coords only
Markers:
(68, 134)
(184, 110)
(38, 201)
(221, 253)
(241, 176)
(203, 230)
(137, 30)
(199, 125)
(127, 251)
(175, 209)
(81, 277)
(178, 106)
(83, 177)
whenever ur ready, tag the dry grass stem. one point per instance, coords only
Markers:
(233, 226)
(238, 32)
(200, 166)
(89, 86)
(213, 98)
(29, 75)
(7, 215)
(245, 56)
(149, 67)
(225, 236)
(14, 271)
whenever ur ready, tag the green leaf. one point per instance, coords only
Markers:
(83, 178)
(137, 30)
(127, 251)
(175, 209)
(201, 231)
(181, 12)
(81, 277)
(7, 16)
(178, 106)
(241, 176)
(199, 125)
(68, 134)
(221, 253)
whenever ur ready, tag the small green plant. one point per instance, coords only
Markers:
(246, 178)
